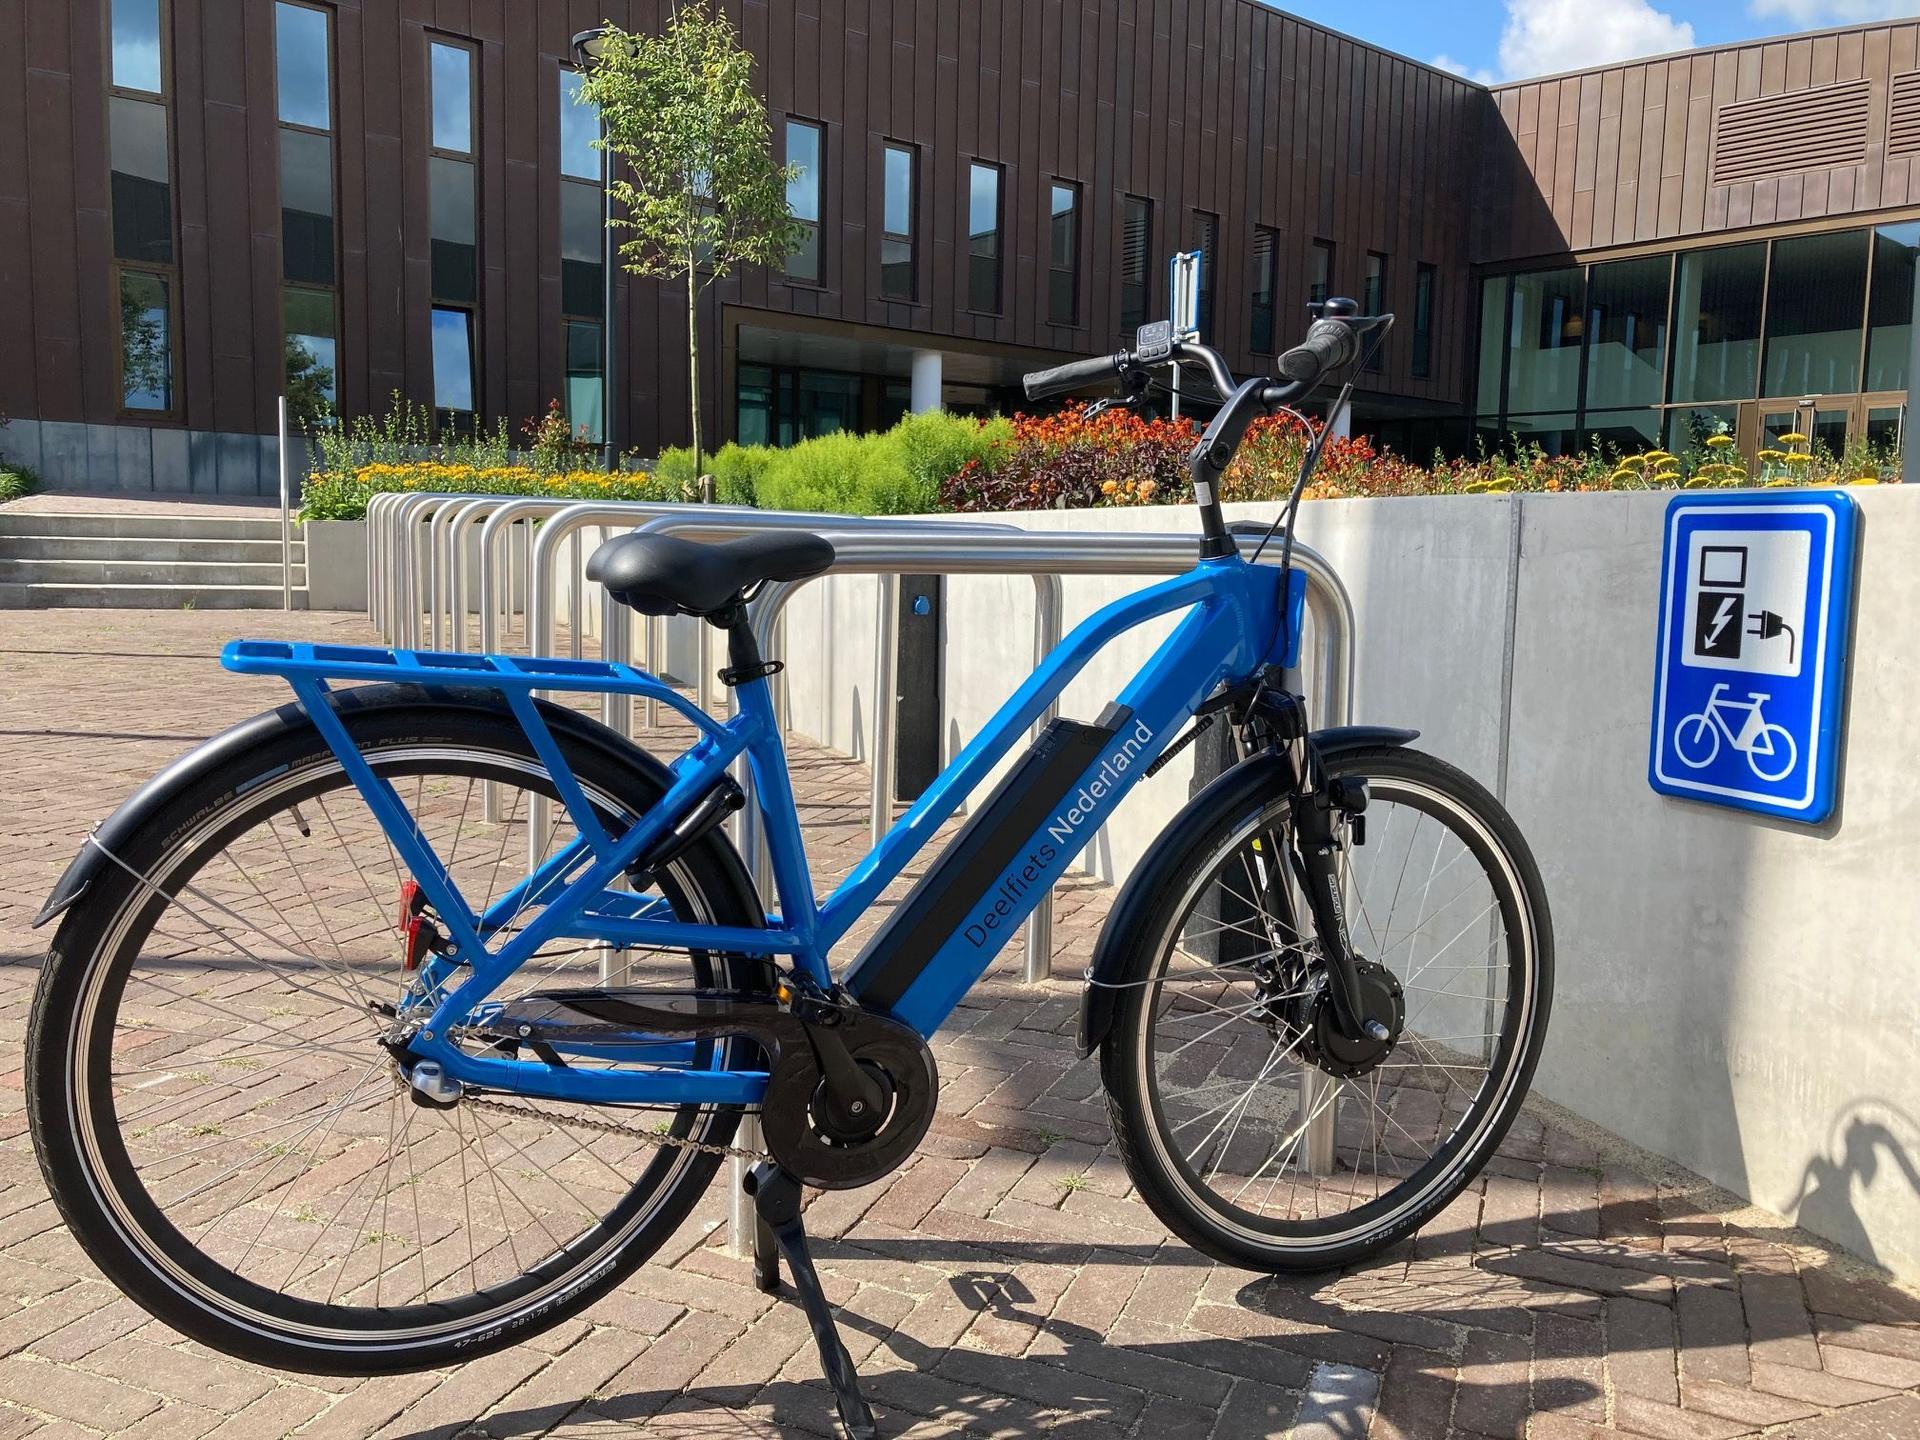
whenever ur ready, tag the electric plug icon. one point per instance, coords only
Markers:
(1766, 625)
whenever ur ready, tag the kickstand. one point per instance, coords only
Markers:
(776, 1196)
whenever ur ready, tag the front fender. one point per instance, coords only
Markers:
(1251, 782)
(569, 727)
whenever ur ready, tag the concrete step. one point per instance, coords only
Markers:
(144, 547)
(144, 597)
(136, 570)
(248, 526)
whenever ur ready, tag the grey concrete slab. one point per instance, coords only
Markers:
(63, 453)
(20, 443)
(172, 462)
(203, 469)
(133, 457)
(239, 459)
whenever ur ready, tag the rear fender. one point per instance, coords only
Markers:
(570, 728)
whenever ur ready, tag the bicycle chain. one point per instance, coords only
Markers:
(647, 1137)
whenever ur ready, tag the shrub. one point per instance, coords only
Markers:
(16, 481)
(736, 471)
(336, 496)
(1068, 460)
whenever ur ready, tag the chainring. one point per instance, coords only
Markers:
(789, 1113)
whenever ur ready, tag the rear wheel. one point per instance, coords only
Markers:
(1253, 1129)
(225, 1134)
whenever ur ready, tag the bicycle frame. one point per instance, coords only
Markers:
(1234, 625)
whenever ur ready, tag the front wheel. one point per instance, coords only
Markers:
(1250, 1126)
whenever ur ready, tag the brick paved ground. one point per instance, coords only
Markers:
(1004, 1283)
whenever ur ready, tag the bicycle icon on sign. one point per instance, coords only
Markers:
(1769, 748)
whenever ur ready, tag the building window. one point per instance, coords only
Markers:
(1266, 261)
(1206, 240)
(805, 154)
(983, 237)
(1136, 262)
(453, 217)
(1494, 291)
(1816, 300)
(1063, 253)
(140, 185)
(1421, 361)
(1716, 323)
(1626, 335)
(1543, 333)
(897, 278)
(1373, 301)
(1320, 272)
(582, 245)
(303, 68)
(1896, 248)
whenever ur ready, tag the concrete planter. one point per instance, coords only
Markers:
(336, 564)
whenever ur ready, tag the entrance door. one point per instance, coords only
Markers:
(1829, 422)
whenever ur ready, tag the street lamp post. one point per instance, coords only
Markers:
(588, 47)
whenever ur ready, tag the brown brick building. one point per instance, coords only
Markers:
(196, 195)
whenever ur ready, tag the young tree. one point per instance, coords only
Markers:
(702, 195)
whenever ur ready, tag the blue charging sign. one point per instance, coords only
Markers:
(1755, 600)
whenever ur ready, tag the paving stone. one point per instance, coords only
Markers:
(1008, 1282)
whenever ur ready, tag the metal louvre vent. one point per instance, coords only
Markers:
(1815, 129)
(1903, 115)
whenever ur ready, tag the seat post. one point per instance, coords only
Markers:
(744, 661)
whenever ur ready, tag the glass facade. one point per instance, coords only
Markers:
(897, 278)
(582, 247)
(453, 214)
(983, 237)
(1206, 239)
(782, 405)
(1136, 263)
(1320, 272)
(1803, 333)
(303, 68)
(1421, 361)
(1373, 301)
(1063, 254)
(804, 155)
(140, 190)
(1266, 261)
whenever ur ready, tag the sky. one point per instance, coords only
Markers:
(1493, 40)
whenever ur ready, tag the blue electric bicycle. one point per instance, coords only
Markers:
(398, 1024)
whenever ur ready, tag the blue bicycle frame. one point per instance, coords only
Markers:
(1235, 624)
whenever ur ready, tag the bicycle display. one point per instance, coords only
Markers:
(401, 1023)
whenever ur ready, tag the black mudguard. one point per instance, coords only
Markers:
(1248, 783)
(569, 727)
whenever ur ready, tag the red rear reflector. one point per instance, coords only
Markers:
(412, 902)
(417, 939)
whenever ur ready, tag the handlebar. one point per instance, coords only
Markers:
(1332, 342)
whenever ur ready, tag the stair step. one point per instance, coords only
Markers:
(144, 547)
(129, 526)
(145, 597)
(135, 570)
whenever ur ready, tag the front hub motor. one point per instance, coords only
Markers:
(1322, 1041)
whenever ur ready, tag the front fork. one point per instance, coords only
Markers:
(1277, 719)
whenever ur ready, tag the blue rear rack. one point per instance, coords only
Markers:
(301, 659)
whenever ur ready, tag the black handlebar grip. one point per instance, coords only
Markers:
(1073, 375)
(1329, 345)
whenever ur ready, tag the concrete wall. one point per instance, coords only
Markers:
(1735, 993)
(149, 459)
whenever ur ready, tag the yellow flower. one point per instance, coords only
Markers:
(1864, 480)
(1698, 482)
(1657, 455)
(1798, 459)
(1108, 488)
(1719, 442)
(1793, 437)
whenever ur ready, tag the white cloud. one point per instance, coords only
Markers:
(1811, 13)
(1479, 74)
(1545, 36)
